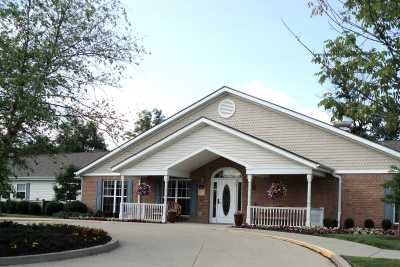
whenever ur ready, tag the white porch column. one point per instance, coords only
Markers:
(249, 183)
(164, 216)
(121, 204)
(339, 204)
(308, 215)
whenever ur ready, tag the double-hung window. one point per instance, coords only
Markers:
(21, 191)
(112, 194)
(179, 191)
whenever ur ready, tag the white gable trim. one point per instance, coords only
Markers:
(205, 121)
(225, 89)
(212, 150)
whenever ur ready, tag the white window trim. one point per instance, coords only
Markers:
(124, 193)
(176, 197)
(16, 191)
(394, 215)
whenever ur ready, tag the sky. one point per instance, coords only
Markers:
(198, 46)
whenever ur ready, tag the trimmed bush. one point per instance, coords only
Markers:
(22, 207)
(369, 223)
(35, 209)
(386, 224)
(53, 207)
(330, 223)
(348, 223)
(75, 206)
(10, 206)
(19, 239)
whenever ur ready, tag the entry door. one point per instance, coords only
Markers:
(226, 200)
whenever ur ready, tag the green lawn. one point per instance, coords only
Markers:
(379, 241)
(371, 262)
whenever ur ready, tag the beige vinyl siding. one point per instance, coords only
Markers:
(252, 155)
(308, 140)
(39, 190)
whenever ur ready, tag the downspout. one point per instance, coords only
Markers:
(339, 204)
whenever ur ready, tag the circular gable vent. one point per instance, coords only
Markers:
(226, 108)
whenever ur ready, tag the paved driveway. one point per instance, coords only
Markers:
(157, 245)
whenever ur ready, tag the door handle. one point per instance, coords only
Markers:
(217, 200)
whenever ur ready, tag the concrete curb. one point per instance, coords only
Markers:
(62, 255)
(336, 259)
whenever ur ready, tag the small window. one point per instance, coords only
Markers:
(239, 197)
(21, 191)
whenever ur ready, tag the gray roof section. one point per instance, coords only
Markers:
(393, 144)
(50, 165)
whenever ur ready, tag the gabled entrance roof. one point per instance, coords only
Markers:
(207, 122)
(223, 90)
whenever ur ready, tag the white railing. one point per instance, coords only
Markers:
(285, 216)
(277, 216)
(146, 212)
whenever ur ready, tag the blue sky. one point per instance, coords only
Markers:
(198, 46)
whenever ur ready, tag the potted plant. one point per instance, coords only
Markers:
(238, 218)
(172, 215)
(277, 191)
(143, 189)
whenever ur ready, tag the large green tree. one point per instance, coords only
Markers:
(78, 136)
(361, 66)
(54, 53)
(68, 186)
(146, 120)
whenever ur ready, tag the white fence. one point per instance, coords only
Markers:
(284, 216)
(146, 212)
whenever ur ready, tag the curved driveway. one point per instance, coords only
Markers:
(183, 245)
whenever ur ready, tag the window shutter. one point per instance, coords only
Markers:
(27, 191)
(157, 189)
(99, 194)
(388, 208)
(193, 200)
(130, 189)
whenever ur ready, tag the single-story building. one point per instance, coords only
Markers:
(221, 154)
(35, 181)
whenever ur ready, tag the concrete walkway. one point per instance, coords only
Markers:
(186, 245)
(340, 247)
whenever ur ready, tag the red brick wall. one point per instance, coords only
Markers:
(362, 196)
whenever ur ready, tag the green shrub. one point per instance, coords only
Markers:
(348, 223)
(34, 209)
(75, 206)
(386, 224)
(369, 223)
(330, 223)
(53, 207)
(23, 207)
(10, 206)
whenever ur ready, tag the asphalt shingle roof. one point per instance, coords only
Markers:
(50, 165)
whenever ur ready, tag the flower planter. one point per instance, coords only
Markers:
(171, 216)
(238, 218)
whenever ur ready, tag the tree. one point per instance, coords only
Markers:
(68, 186)
(393, 186)
(361, 66)
(41, 144)
(53, 55)
(147, 119)
(77, 136)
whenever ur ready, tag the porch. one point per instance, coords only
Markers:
(202, 199)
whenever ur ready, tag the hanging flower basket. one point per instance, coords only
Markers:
(277, 191)
(143, 189)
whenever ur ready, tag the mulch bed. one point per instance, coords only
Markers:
(19, 239)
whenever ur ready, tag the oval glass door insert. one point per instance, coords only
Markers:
(226, 199)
